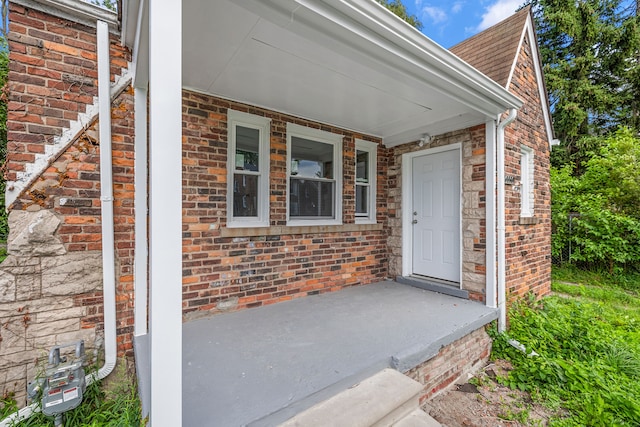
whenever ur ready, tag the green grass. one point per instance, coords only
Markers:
(588, 340)
(570, 273)
(115, 404)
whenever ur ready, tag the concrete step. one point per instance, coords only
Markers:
(418, 418)
(381, 400)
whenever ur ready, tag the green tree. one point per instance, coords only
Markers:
(589, 49)
(397, 7)
(605, 202)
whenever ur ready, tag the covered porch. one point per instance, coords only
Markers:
(262, 366)
(350, 64)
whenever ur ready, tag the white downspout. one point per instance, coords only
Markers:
(106, 198)
(502, 291)
(108, 246)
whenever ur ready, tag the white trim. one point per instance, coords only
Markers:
(327, 138)
(81, 12)
(490, 212)
(527, 174)
(141, 204)
(528, 30)
(263, 126)
(370, 148)
(165, 213)
(140, 55)
(407, 204)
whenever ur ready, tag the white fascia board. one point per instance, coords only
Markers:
(140, 56)
(75, 10)
(129, 21)
(406, 48)
(528, 30)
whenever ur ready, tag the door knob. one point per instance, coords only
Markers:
(415, 221)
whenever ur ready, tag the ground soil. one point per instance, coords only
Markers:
(483, 402)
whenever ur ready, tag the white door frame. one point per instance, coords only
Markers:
(407, 204)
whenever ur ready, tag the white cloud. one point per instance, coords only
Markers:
(498, 11)
(457, 7)
(434, 14)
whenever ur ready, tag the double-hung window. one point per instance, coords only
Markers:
(527, 195)
(314, 176)
(365, 181)
(248, 170)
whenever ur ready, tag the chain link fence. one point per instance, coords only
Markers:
(563, 256)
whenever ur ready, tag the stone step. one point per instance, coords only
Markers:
(381, 400)
(418, 418)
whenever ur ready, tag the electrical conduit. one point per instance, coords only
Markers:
(108, 246)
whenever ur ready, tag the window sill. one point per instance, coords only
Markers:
(528, 220)
(299, 229)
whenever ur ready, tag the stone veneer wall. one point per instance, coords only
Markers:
(528, 252)
(473, 142)
(227, 269)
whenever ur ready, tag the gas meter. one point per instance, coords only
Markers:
(63, 384)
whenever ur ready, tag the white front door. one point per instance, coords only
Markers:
(436, 215)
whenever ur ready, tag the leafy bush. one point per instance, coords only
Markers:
(604, 203)
(588, 347)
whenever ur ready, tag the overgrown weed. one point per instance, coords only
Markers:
(588, 350)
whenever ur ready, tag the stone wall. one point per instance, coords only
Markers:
(43, 293)
(473, 141)
(528, 240)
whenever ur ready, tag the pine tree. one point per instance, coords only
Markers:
(589, 50)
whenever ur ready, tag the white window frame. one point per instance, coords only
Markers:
(294, 130)
(263, 125)
(527, 195)
(372, 149)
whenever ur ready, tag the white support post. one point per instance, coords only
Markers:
(165, 326)
(490, 223)
(141, 209)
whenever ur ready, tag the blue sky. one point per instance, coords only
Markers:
(448, 22)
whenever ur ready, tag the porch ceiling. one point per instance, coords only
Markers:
(348, 63)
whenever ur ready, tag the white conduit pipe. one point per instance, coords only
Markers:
(108, 246)
(502, 290)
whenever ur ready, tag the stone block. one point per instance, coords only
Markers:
(7, 287)
(27, 287)
(33, 234)
(52, 328)
(72, 274)
(13, 335)
(54, 315)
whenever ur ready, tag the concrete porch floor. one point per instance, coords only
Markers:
(261, 366)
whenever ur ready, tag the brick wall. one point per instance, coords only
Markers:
(52, 79)
(473, 141)
(454, 360)
(528, 252)
(239, 268)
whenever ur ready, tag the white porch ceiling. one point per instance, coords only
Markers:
(346, 63)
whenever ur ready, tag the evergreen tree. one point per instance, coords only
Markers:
(589, 50)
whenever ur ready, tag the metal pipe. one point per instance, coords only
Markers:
(502, 291)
